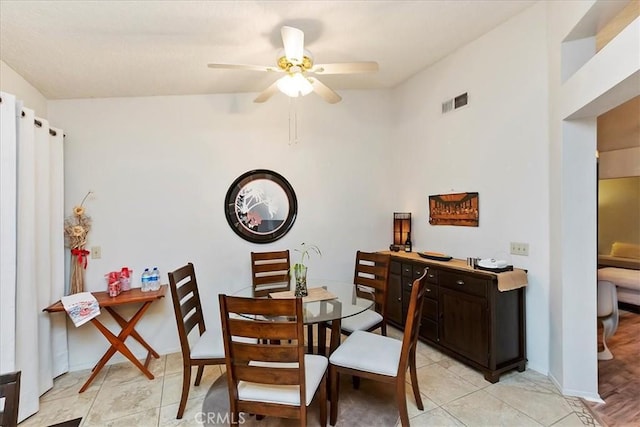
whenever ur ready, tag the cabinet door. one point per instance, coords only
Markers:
(394, 299)
(464, 324)
(429, 321)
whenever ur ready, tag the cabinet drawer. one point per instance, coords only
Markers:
(407, 284)
(432, 276)
(407, 270)
(432, 290)
(430, 309)
(464, 283)
(418, 271)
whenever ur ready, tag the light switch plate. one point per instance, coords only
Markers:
(518, 248)
(96, 252)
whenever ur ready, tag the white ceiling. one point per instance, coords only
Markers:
(83, 49)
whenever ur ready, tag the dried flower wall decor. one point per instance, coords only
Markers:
(76, 229)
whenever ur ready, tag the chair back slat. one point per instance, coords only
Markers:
(270, 272)
(372, 270)
(274, 307)
(189, 323)
(264, 352)
(263, 329)
(267, 375)
(10, 391)
(188, 306)
(185, 286)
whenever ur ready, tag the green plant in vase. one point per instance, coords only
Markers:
(300, 270)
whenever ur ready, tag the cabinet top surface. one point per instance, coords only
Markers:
(460, 265)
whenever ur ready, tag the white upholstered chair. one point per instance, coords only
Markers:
(607, 314)
(204, 349)
(371, 279)
(268, 372)
(381, 358)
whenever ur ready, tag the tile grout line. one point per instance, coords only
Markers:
(85, 418)
(164, 376)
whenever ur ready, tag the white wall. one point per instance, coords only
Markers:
(13, 83)
(496, 145)
(160, 168)
(606, 80)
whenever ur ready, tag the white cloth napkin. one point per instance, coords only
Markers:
(81, 307)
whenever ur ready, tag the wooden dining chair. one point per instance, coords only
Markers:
(371, 279)
(207, 348)
(10, 391)
(263, 377)
(380, 358)
(270, 272)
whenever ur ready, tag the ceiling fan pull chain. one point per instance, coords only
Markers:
(293, 122)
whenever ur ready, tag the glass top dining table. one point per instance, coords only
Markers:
(341, 303)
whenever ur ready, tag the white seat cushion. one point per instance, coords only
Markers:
(620, 277)
(362, 321)
(366, 351)
(315, 367)
(209, 345)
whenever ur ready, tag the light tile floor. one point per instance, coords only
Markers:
(453, 395)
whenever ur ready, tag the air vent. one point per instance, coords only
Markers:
(455, 103)
(461, 100)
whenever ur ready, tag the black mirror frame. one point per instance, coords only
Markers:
(233, 217)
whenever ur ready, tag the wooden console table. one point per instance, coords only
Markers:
(474, 316)
(128, 327)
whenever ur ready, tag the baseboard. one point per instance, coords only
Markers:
(576, 393)
(119, 358)
(629, 307)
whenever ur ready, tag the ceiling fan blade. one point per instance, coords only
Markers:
(267, 93)
(293, 42)
(244, 67)
(324, 91)
(345, 68)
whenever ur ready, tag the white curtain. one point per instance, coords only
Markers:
(32, 251)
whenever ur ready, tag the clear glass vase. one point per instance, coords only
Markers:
(300, 273)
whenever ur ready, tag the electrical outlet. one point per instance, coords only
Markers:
(96, 252)
(519, 249)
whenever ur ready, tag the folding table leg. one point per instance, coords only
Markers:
(134, 334)
(117, 344)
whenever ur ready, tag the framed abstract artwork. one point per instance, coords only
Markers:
(261, 206)
(454, 209)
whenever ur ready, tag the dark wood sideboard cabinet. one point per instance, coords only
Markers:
(464, 314)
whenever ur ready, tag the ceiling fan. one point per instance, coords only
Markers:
(296, 63)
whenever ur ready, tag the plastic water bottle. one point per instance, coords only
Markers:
(145, 280)
(154, 284)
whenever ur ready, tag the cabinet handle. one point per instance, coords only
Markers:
(460, 282)
(428, 290)
(431, 276)
(399, 299)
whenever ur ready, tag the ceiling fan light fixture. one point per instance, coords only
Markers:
(294, 85)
